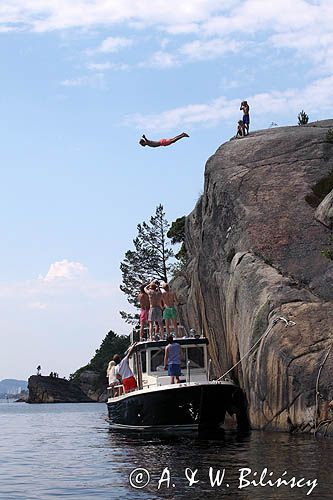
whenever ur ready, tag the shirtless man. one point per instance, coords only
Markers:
(144, 309)
(169, 300)
(162, 142)
(155, 311)
(246, 115)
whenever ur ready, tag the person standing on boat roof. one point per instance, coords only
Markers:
(172, 359)
(123, 371)
(155, 311)
(144, 309)
(169, 300)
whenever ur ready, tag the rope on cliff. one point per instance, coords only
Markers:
(274, 322)
(316, 425)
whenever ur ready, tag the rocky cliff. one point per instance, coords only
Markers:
(54, 390)
(254, 242)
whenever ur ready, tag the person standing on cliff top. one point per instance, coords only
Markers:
(169, 300)
(155, 311)
(162, 142)
(246, 115)
(144, 309)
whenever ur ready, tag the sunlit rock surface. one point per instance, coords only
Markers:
(255, 241)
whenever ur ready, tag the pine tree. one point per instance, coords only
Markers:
(149, 260)
(303, 118)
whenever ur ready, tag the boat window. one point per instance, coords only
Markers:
(143, 361)
(196, 356)
(157, 360)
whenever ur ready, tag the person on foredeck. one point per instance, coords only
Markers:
(155, 310)
(123, 371)
(169, 301)
(162, 142)
(172, 359)
(144, 309)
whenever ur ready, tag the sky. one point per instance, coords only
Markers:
(81, 81)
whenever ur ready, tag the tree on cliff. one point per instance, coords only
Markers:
(149, 260)
(177, 235)
(111, 344)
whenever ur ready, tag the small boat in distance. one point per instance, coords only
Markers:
(197, 403)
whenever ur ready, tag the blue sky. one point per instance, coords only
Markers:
(81, 81)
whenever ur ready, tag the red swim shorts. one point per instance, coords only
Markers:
(165, 142)
(129, 384)
(144, 315)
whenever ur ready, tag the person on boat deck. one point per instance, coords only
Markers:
(162, 142)
(172, 359)
(144, 309)
(123, 371)
(111, 376)
(169, 301)
(155, 311)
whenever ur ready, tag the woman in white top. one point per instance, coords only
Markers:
(111, 374)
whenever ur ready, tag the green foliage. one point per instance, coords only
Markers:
(177, 235)
(150, 258)
(302, 118)
(329, 135)
(112, 344)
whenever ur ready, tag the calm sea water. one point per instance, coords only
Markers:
(67, 451)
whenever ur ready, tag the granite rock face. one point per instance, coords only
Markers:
(91, 383)
(254, 243)
(54, 390)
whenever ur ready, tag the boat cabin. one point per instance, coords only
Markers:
(147, 362)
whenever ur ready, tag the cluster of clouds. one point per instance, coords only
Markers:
(190, 32)
(64, 279)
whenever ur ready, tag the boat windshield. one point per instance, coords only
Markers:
(194, 354)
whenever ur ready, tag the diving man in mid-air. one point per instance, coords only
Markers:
(162, 142)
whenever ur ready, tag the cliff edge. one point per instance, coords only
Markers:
(254, 243)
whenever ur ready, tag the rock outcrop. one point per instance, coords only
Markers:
(93, 384)
(55, 390)
(254, 243)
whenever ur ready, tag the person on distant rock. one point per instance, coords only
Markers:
(155, 310)
(162, 142)
(38, 370)
(123, 371)
(172, 359)
(169, 301)
(246, 115)
(240, 129)
(144, 309)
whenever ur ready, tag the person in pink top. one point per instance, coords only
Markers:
(162, 142)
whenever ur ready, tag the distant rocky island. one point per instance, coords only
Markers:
(87, 385)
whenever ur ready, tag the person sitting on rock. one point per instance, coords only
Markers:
(246, 116)
(123, 371)
(162, 142)
(240, 129)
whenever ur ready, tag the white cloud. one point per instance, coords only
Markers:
(161, 59)
(209, 49)
(316, 95)
(65, 269)
(96, 80)
(114, 44)
(107, 66)
(38, 305)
